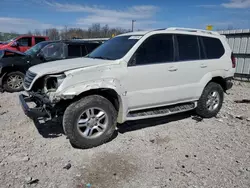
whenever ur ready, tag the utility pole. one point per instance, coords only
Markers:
(133, 24)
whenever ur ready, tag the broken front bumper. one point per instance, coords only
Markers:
(36, 112)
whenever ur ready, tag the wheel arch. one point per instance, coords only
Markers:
(109, 93)
(6, 70)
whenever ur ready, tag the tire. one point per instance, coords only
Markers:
(11, 88)
(78, 109)
(205, 110)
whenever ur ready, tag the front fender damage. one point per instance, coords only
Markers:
(75, 90)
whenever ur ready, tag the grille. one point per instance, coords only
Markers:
(28, 78)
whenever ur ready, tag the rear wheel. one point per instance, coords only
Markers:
(13, 82)
(210, 101)
(90, 121)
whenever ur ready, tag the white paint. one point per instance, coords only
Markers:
(139, 87)
(135, 37)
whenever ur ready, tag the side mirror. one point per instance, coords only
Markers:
(15, 44)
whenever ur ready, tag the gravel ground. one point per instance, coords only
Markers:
(176, 151)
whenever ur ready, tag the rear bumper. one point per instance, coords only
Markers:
(33, 113)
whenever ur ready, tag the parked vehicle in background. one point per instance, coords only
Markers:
(22, 42)
(14, 66)
(132, 76)
(9, 53)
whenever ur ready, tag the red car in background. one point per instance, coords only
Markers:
(22, 42)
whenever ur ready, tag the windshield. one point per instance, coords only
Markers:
(35, 49)
(8, 41)
(115, 48)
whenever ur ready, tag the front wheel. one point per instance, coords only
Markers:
(90, 122)
(210, 101)
(13, 82)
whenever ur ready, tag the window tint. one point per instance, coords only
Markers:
(213, 47)
(156, 49)
(74, 50)
(84, 50)
(90, 47)
(188, 47)
(25, 41)
(39, 39)
(55, 51)
(115, 48)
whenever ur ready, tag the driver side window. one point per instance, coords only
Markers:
(55, 51)
(155, 49)
(25, 41)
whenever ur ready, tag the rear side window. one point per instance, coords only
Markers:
(188, 47)
(213, 47)
(156, 49)
(25, 41)
(90, 47)
(74, 50)
(39, 39)
(84, 50)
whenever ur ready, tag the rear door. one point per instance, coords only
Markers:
(39, 39)
(24, 43)
(189, 65)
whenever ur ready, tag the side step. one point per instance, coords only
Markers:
(160, 111)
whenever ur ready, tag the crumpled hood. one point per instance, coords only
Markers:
(13, 51)
(65, 65)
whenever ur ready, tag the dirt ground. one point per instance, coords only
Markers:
(176, 151)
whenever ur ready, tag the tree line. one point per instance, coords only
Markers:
(94, 31)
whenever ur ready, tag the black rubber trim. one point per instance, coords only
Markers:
(32, 113)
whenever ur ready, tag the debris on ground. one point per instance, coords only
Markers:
(197, 118)
(2, 113)
(242, 101)
(31, 181)
(67, 166)
(194, 154)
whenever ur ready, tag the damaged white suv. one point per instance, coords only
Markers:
(132, 76)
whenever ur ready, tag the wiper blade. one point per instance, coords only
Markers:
(100, 57)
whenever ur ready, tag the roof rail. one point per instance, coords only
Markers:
(193, 30)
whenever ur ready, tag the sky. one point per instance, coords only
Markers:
(27, 15)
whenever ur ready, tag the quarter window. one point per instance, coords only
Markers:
(213, 47)
(39, 39)
(25, 41)
(156, 49)
(188, 47)
(74, 51)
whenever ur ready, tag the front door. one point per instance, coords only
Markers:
(150, 73)
(24, 44)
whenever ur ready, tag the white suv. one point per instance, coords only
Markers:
(132, 76)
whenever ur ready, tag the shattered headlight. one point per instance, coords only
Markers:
(52, 82)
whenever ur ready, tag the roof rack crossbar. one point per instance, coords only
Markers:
(193, 30)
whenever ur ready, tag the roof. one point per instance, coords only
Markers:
(136, 33)
(73, 41)
(175, 30)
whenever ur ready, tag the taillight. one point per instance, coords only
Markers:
(233, 61)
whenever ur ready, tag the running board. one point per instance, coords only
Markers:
(161, 111)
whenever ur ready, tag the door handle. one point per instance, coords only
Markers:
(203, 66)
(172, 69)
